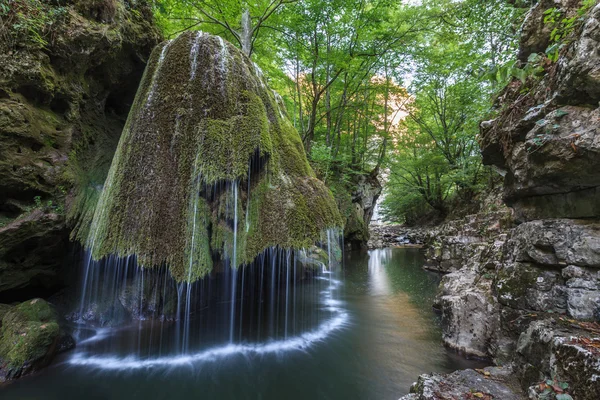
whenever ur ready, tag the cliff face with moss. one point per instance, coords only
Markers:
(207, 151)
(68, 74)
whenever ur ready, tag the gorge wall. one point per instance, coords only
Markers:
(65, 91)
(522, 285)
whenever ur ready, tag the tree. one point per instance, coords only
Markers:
(240, 22)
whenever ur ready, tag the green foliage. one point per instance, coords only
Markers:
(436, 159)
(340, 67)
(553, 389)
(563, 26)
(28, 22)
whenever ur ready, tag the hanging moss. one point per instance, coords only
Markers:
(205, 126)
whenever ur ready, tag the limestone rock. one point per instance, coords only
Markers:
(497, 383)
(557, 243)
(30, 337)
(62, 110)
(548, 349)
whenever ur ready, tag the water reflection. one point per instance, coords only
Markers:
(378, 278)
(392, 338)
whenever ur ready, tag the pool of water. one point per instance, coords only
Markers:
(388, 335)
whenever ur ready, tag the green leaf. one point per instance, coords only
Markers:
(560, 113)
(533, 58)
(563, 396)
(563, 385)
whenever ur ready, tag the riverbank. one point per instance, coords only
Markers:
(518, 295)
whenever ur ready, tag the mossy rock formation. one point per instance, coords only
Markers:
(63, 104)
(30, 336)
(207, 151)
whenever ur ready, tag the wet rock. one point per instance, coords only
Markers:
(30, 337)
(62, 110)
(42, 230)
(495, 383)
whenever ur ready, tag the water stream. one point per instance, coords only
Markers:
(365, 332)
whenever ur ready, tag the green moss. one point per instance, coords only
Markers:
(36, 310)
(186, 145)
(4, 308)
(27, 332)
(514, 281)
(231, 143)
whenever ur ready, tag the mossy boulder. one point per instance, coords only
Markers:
(209, 166)
(30, 336)
(66, 86)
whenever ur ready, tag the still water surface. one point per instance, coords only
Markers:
(391, 336)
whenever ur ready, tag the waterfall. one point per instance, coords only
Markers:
(211, 237)
(191, 329)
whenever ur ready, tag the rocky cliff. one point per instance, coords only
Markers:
(68, 74)
(528, 296)
(356, 199)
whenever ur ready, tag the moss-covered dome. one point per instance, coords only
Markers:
(207, 150)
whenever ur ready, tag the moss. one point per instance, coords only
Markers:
(36, 310)
(4, 308)
(514, 281)
(192, 141)
(28, 331)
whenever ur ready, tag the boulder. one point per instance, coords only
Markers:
(552, 348)
(30, 337)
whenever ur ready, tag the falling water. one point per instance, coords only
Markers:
(234, 261)
(154, 83)
(297, 305)
(194, 54)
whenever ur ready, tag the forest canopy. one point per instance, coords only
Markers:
(386, 88)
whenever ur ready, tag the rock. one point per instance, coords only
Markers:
(30, 337)
(356, 200)
(20, 267)
(583, 303)
(495, 383)
(535, 34)
(579, 75)
(62, 110)
(547, 349)
(469, 320)
(394, 235)
(557, 243)
(525, 286)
